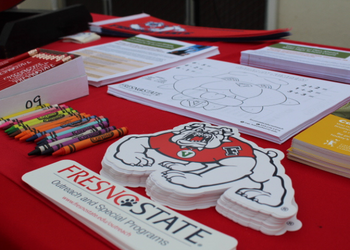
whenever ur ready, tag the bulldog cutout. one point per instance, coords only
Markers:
(199, 156)
(198, 165)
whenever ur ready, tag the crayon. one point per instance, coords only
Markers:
(98, 122)
(91, 141)
(47, 146)
(69, 125)
(37, 129)
(25, 111)
(49, 149)
(27, 117)
(39, 121)
(42, 119)
(55, 135)
(33, 129)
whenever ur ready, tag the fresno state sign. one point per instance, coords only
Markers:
(95, 184)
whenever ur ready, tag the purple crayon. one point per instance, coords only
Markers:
(47, 149)
(53, 136)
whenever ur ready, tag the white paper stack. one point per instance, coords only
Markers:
(139, 55)
(198, 165)
(330, 64)
(266, 104)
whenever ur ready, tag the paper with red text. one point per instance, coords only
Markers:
(125, 218)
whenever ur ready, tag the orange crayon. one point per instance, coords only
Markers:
(36, 129)
(91, 141)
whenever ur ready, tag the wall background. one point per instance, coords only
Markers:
(315, 21)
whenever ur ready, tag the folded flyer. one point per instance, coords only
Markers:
(148, 25)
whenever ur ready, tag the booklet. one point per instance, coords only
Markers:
(138, 55)
(266, 104)
(326, 144)
(125, 218)
(329, 64)
(148, 25)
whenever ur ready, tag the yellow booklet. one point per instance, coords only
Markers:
(326, 144)
(331, 133)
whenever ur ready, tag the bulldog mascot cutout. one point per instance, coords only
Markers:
(200, 161)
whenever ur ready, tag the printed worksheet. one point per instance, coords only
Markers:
(138, 55)
(267, 104)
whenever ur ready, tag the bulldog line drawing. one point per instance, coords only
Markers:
(249, 92)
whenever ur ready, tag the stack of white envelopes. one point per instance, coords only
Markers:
(198, 165)
(324, 63)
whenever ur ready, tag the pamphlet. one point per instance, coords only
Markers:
(324, 63)
(138, 55)
(145, 24)
(326, 144)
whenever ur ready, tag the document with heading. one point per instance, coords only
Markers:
(138, 55)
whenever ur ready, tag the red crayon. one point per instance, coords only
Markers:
(91, 141)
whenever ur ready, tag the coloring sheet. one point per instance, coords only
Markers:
(267, 104)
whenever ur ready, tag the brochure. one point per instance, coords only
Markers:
(138, 55)
(326, 144)
(329, 64)
(266, 104)
(145, 24)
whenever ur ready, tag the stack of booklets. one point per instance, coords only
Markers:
(123, 217)
(330, 64)
(138, 55)
(199, 165)
(266, 104)
(40, 76)
(326, 144)
(148, 25)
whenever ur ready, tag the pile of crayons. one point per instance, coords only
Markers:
(27, 65)
(59, 129)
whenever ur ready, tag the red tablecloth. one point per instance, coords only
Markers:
(29, 221)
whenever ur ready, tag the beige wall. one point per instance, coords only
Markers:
(316, 21)
(41, 4)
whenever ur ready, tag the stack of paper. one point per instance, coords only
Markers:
(330, 64)
(270, 105)
(326, 144)
(123, 217)
(139, 55)
(198, 165)
(148, 25)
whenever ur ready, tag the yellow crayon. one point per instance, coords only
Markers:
(8, 117)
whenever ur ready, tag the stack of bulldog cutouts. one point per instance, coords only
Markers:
(198, 165)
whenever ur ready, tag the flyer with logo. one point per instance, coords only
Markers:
(125, 218)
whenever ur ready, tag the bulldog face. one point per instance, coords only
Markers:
(200, 137)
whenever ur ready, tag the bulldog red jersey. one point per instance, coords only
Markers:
(234, 148)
